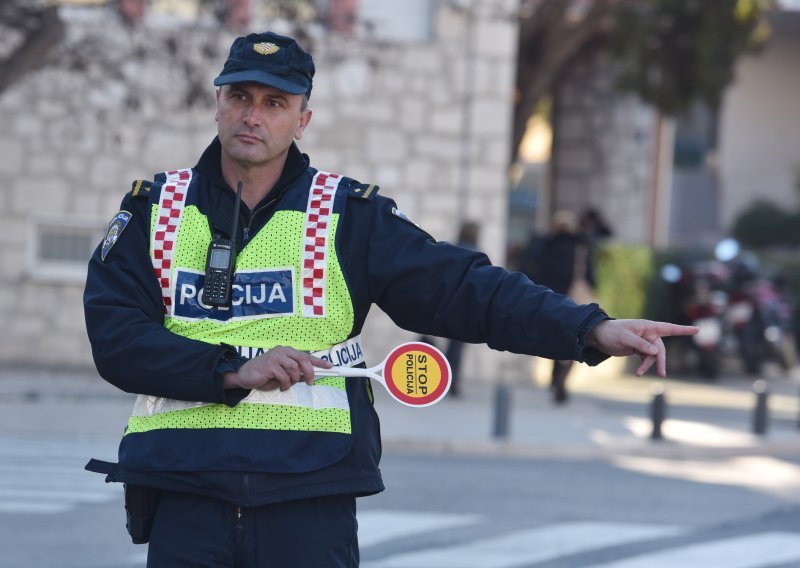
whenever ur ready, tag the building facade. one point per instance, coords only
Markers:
(423, 110)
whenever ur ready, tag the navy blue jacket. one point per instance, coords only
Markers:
(425, 286)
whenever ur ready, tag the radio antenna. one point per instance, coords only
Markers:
(235, 227)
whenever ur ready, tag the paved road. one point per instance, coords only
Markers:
(571, 487)
(455, 511)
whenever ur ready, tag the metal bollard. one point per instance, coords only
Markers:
(761, 413)
(658, 411)
(502, 410)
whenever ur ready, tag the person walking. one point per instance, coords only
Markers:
(564, 265)
(467, 238)
(234, 454)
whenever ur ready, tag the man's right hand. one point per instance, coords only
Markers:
(280, 367)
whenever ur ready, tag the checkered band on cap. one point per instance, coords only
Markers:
(315, 243)
(168, 218)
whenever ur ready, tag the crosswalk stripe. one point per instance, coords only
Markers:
(530, 546)
(375, 527)
(750, 551)
(47, 477)
(28, 507)
(45, 494)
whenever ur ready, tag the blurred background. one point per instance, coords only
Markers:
(661, 136)
(665, 126)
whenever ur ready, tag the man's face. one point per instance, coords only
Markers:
(256, 123)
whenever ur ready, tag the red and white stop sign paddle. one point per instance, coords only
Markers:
(415, 374)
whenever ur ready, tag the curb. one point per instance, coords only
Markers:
(664, 449)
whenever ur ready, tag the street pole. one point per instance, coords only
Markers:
(761, 413)
(658, 411)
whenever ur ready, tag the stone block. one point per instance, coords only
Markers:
(446, 177)
(447, 120)
(489, 181)
(388, 176)
(419, 172)
(490, 117)
(386, 145)
(445, 149)
(577, 159)
(352, 78)
(450, 24)
(413, 115)
(27, 125)
(572, 127)
(495, 38)
(422, 59)
(11, 156)
(16, 228)
(41, 194)
(380, 111)
(390, 78)
(104, 170)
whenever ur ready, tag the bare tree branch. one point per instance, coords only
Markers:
(43, 30)
(549, 40)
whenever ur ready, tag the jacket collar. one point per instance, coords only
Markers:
(210, 166)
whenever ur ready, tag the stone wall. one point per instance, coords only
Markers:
(603, 150)
(429, 122)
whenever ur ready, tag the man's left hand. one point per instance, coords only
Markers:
(642, 337)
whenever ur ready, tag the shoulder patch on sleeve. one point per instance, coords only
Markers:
(115, 228)
(397, 213)
(141, 188)
(362, 190)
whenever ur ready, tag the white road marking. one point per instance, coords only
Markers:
(528, 547)
(46, 477)
(375, 527)
(749, 551)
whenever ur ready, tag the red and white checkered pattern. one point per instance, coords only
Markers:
(168, 219)
(315, 243)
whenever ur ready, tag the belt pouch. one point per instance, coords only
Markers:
(140, 510)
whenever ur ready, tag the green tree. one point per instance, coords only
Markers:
(670, 52)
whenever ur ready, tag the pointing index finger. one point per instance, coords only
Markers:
(664, 329)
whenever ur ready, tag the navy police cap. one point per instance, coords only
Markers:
(270, 59)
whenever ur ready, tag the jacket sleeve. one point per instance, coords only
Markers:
(125, 322)
(440, 289)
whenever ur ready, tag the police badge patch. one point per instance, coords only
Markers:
(397, 213)
(115, 228)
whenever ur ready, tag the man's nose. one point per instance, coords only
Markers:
(252, 116)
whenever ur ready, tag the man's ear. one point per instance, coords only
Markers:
(305, 118)
(216, 112)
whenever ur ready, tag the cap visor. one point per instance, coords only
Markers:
(262, 78)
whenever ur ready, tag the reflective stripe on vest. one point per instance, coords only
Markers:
(315, 243)
(319, 396)
(170, 209)
(323, 407)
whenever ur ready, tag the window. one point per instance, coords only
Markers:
(410, 20)
(61, 250)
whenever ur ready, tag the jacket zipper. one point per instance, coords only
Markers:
(246, 227)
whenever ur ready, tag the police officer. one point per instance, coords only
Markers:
(233, 454)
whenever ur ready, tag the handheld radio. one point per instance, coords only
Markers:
(220, 261)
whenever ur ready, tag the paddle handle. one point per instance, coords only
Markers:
(347, 372)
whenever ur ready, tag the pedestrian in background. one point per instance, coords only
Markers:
(594, 226)
(235, 454)
(564, 265)
(468, 238)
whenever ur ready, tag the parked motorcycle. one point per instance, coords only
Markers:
(760, 315)
(701, 303)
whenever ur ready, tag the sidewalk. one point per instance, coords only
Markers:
(605, 416)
